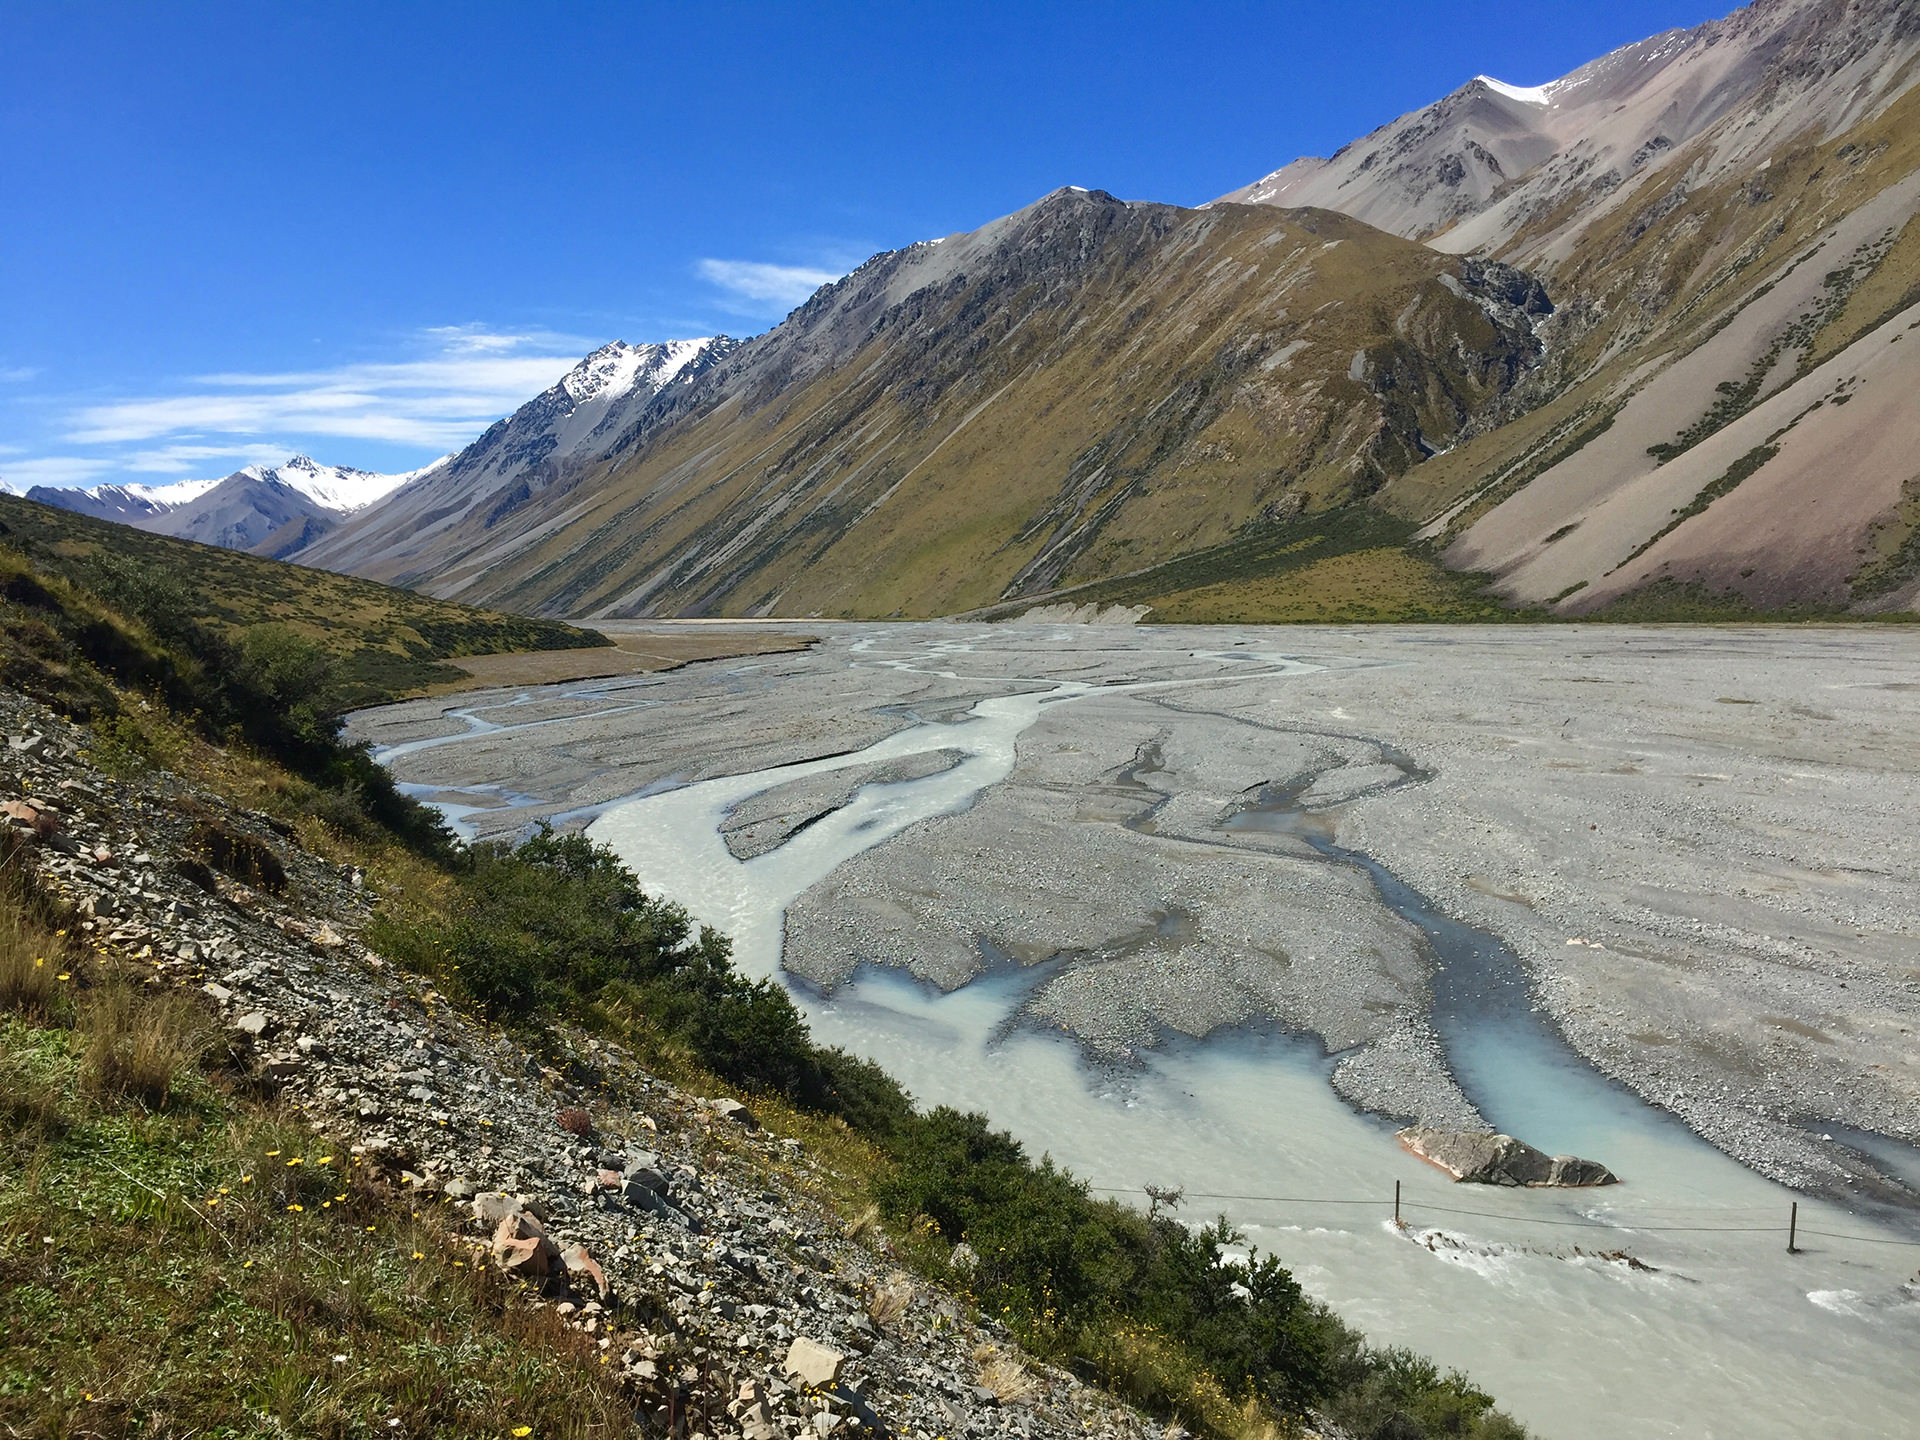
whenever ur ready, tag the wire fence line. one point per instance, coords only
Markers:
(1400, 1205)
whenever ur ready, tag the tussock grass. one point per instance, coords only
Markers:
(888, 1302)
(1006, 1377)
(141, 1047)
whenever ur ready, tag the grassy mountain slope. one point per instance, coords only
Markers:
(386, 642)
(1072, 392)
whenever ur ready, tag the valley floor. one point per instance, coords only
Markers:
(1691, 838)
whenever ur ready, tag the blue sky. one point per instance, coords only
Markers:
(366, 231)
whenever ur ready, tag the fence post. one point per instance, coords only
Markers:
(1396, 1207)
(1793, 1228)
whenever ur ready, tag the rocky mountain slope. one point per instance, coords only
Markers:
(1086, 385)
(495, 483)
(1724, 217)
(271, 510)
(1475, 168)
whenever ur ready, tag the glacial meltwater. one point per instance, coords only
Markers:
(1664, 1306)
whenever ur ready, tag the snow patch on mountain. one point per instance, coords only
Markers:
(1525, 94)
(554, 438)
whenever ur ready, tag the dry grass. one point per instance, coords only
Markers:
(37, 957)
(862, 1225)
(1005, 1376)
(140, 1047)
(887, 1303)
(29, 980)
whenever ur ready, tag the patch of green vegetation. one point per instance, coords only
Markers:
(273, 691)
(1356, 564)
(385, 642)
(1894, 547)
(1385, 586)
(179, 1259)
(1168, 1316)
(1692, 603)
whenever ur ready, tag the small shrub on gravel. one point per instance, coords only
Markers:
(238, 856)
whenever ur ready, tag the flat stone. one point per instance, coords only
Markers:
(736, 1112)
(1484, 1158)
(490, 1207)
(220, 993)
(579, 1262)
(812, 1363)
(254, 1022)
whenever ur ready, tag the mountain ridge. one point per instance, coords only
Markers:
(1119, 339)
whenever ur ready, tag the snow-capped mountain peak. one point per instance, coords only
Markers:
(613, 370)
(334, 487)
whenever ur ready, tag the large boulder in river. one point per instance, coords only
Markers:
(1476, 1157)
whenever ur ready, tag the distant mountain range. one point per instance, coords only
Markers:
(270, 510)
(1628, 342)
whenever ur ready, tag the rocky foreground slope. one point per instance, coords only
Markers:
(691, 1245)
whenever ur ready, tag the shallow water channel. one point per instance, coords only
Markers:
(1665, 1306)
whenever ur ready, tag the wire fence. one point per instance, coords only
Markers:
(1399, 1206)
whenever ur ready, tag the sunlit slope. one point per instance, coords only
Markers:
(1727, 399)
(390, 642)
(1075, 391)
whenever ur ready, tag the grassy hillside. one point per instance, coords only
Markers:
(1074, 392)
(386, 643)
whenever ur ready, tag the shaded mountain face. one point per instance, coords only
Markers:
(1084, 386)
(543, 446)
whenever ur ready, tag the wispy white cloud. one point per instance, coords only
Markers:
(765, 286)
(193, 459)
(15, 374)
(468, 378)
